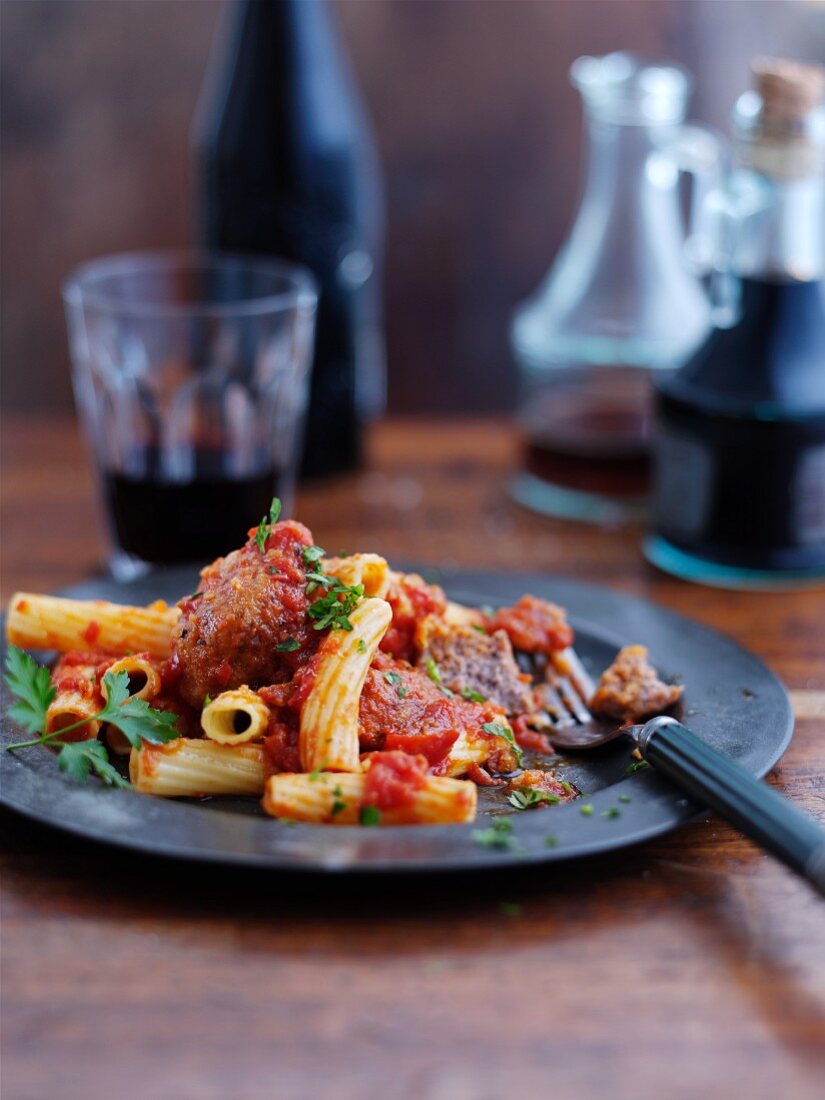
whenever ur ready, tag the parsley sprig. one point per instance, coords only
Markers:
(266, 525)
(30, 684)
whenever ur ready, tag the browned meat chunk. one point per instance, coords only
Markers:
(534, 625)
(248, 622)
(631, 690)
(470, 661)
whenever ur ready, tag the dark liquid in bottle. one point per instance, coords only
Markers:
(740, 470)
(592, 437)
(166, 522)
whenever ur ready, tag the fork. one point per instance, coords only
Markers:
(675, 751)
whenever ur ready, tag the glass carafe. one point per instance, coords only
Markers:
(620, 300)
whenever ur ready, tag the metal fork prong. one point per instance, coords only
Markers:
(571, 698)
(569, 664)
(555, 705)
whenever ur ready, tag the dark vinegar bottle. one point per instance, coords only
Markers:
(739, 475)
(287, 167)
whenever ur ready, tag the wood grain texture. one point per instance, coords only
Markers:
(687, 967)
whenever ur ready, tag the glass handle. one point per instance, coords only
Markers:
(704, 155)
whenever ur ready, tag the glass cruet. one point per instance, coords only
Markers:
(621, 299)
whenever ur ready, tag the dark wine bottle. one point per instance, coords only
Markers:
(739, 475)
(287, 167)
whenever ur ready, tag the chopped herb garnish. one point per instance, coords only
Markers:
(637, 765)
(334, 609)
(266, 525)
(370, 815)
(551, 842)
(273, 570)
(498, 729)
(195, 595)
(432, 670)
(316, 580)
(526, 797)
(336, 790)
(586, 810)
(434, 674)
(481, 629)
(611, 811)
(625, 798)
(396, 681)
(568, 787)
(207, 699)
(289, 646)
(312, 554)
(337, 806)
(472, 696)
(498, 835)
(313, 776)
(510, 908)
(362, 646)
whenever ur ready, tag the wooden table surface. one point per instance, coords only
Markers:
(682, 968)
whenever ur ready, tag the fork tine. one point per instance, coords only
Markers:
(568, 663)
(571, 697)
(555, 705)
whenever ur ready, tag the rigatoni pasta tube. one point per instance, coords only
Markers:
(77, 699)
(337, 799)
(189, 768)
(329, 718)
(467, 750)
(235, 717)
(144, 683)
(50, 622)
(371, 570)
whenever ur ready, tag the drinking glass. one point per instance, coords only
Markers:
(191, 377)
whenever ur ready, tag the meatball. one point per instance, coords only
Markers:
(248, 622)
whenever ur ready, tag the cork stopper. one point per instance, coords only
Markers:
(780, 126)
(789, 90)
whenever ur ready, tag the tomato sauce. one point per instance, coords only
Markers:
(393, 779)
(534, 625)
(401, 708)
(281, 747)
(529, 738)
(411, 600)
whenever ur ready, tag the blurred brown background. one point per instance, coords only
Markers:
(477, 124)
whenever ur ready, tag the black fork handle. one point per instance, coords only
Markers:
(749, 804)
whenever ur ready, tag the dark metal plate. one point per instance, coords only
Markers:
(731, 700)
